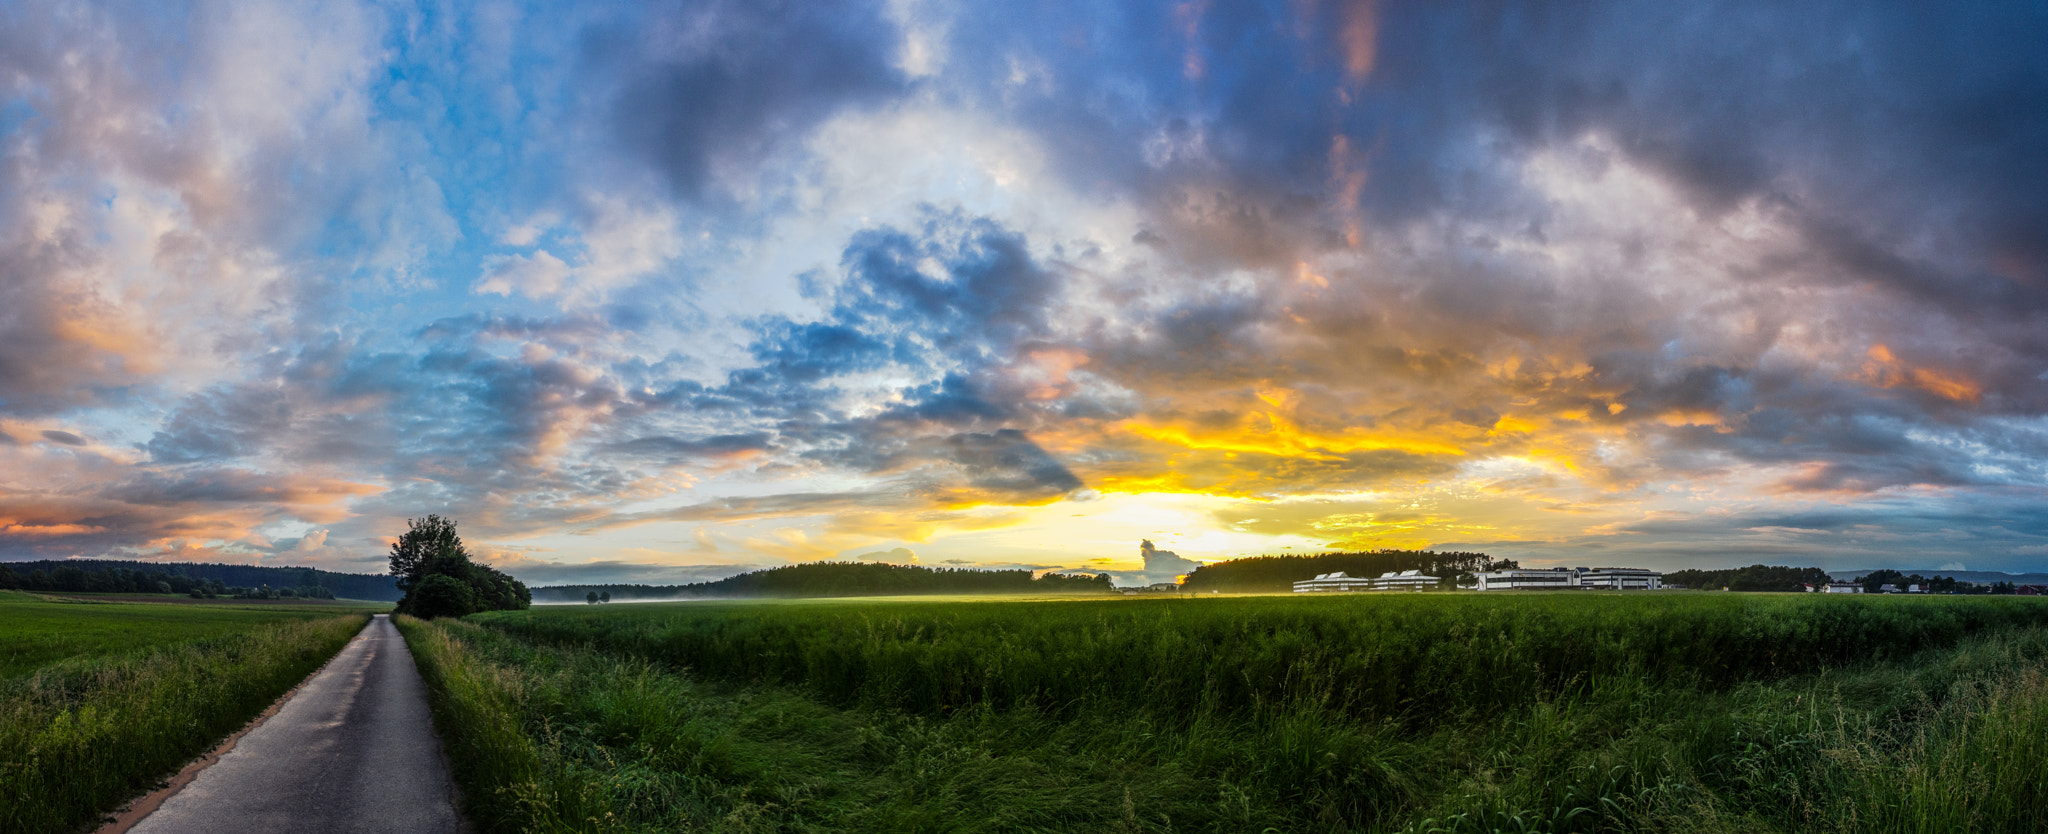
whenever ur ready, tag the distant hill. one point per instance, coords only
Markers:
(1260, 574)
(840, 579)
(1980, 577)
(374, 587)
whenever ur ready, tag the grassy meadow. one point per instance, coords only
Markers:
(1438, 713)
(37, 630)
(100, 700)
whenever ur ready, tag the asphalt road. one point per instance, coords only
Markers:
(354, 750)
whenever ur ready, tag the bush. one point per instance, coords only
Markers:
(441, 595)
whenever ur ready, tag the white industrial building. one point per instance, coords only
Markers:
(1407, 580)
(1621, 579)
(1333, 582)
(1615, 579)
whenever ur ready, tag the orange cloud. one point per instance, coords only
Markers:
(1044, 372)
(35, 528)
(1360, 38)
(1887, 371)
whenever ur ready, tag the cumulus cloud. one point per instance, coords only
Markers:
(706, 93)
(1164, 565)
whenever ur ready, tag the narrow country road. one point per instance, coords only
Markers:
(354, 750)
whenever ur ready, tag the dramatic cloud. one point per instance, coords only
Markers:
(671, 290)
(1164, 565)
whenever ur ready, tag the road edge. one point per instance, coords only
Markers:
(456, 797)
(128, 815)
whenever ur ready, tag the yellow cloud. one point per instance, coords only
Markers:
(1268, 433)
(1510, 424)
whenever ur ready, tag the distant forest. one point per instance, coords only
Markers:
(1752, 578)
(841, 579)
(1258, 574)
(1781, 578)
(121, 576)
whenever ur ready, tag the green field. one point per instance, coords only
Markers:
(1538, 712)
(101, 699)
(38, 630)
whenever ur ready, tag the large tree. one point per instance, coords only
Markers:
(429, 539)
(439, 580)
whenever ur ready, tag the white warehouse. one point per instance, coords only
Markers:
(1407, 580)
(1615, 579)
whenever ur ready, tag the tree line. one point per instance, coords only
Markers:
(1752, 578)
(363, 586)
(1782, 578)
(66, 578)
(1257, 574)
(1875, 581)
(842, 579)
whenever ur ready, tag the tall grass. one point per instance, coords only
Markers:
(1410, 657)
(552, 734)
(480, 710)
(79, 737)
(1969, 753)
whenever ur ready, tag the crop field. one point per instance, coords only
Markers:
(100, 700)
(36, 631)
(1455, 712)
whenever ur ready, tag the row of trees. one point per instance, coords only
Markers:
(1874, 581)
(432, 568)
(267, 592)
(74, 579)
(1782, 578)
(1752, 578)
(1279, 573)
(439, 580)
(844, 579)
(348, 585)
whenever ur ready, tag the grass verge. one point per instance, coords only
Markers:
(79, 737)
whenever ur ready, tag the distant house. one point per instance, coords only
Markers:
(1532, 579)
(1842, 588)
(1887, 589)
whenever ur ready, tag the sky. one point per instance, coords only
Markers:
(662, 292)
